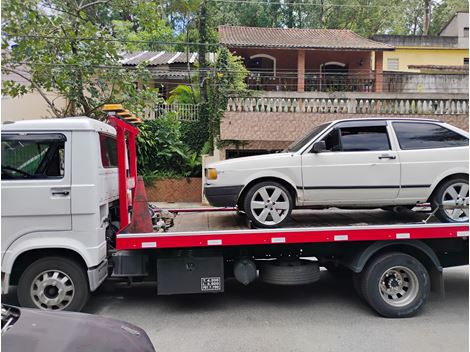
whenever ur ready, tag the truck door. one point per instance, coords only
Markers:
(36, 184)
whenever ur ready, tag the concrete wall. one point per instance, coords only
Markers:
(425, 83)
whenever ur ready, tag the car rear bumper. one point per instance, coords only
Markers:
(225, 196)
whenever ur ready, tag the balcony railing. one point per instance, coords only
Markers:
(359, 81)
(183, 112)
(313, 81)
(354, 103)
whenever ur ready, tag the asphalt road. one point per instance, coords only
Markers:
(324, 316)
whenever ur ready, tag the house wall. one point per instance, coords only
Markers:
(421, 56)
(29, 106)
(456, 28)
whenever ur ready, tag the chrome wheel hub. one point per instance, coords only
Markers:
(270, 205)
(52, 290)
(398, 286)
(456, 195)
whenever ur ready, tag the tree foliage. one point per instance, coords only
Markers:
(59, 47)
(160, 150)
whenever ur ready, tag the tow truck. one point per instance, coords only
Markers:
(75, 213)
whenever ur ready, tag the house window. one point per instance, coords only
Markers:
(465, 32)
(393, 64)
(465, 61)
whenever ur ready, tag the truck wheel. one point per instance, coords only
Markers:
(287, 273)
(268, 204)
(53, 283)
(395, 285)
(452, 192)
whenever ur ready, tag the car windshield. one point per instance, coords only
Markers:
(297, 145)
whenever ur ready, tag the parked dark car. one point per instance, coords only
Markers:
(35, 330)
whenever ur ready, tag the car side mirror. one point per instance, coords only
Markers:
(319, 147)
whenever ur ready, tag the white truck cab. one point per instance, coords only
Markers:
(59, 184)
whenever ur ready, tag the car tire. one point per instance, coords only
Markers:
(395, 285)
(54, 283)
(444, 194)
(289, 273)
(261, 208)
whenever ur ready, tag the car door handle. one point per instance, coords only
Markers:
(386, 156)
(61, 193)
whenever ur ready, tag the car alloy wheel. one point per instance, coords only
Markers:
(456, 195)
(270, 205)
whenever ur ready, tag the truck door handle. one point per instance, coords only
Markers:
(386, 156)
(62, 193)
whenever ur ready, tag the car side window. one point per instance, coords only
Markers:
(412, 135)
(33, 156)
(367, 138)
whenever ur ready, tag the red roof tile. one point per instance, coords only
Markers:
(238, 36)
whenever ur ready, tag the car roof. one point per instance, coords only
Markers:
(80, 123)
(412, 119)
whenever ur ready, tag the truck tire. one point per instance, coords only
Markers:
(395, 285)
(268, 204)
(453, 191)
(287, 273)
(53, 283)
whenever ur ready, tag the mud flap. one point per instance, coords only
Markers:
(437, 283)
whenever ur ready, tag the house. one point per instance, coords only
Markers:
(449, 48)
(291, 59)
(169, 69)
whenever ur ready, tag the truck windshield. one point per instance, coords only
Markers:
(297, 145)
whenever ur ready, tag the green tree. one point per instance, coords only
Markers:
(59, 47)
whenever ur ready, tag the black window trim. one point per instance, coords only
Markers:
(424, 123)
(31, 137)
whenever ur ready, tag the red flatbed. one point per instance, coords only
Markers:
(227, 228)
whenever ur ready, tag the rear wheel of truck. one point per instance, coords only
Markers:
(53, 283)
(396, 285)
(268, 204)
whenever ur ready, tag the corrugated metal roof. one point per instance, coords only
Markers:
(156, 58)
(308, 38)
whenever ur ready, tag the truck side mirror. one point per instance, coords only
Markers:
(319, 147)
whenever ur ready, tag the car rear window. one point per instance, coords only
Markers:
(108, 147)
(412, 135)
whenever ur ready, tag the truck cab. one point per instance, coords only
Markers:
(60, 191)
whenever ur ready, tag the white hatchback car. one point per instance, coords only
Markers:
(362, 163)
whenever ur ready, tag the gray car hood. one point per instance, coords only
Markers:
(41, 331)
